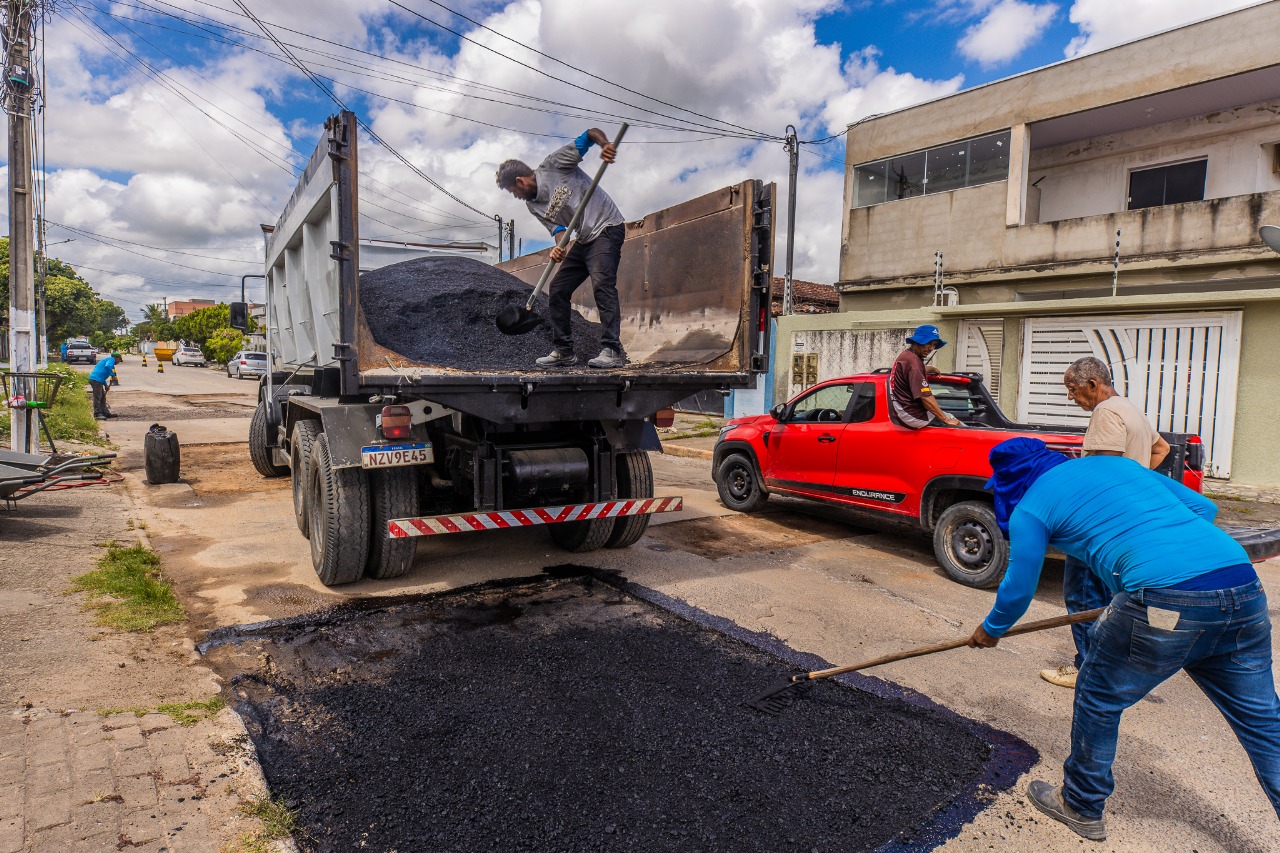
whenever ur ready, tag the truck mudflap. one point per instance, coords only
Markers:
(400, 528)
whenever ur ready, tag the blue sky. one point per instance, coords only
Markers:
(166, 150)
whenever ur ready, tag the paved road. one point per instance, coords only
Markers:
(823, 580)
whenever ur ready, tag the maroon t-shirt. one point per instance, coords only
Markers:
(909, 385)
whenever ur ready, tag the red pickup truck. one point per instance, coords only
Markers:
(838, 442)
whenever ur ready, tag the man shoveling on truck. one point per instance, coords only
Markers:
(1185, 597)
(1116, 428)
(912, 398)
(553, 193)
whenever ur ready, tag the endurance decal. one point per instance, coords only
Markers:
(841, 491)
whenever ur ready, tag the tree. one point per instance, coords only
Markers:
(223, 344)
(197, 326)
(70, 307)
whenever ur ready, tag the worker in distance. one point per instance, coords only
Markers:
(1184, 597)
(553, 192)
(912, 398)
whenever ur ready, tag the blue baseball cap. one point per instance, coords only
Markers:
(926, 334)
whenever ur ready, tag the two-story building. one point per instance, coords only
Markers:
(1108, 205)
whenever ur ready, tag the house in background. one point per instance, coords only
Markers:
(182, 307)
(1168, 146)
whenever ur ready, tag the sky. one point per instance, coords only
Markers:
(172, 129)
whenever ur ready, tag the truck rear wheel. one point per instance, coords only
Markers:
(635, 480)
(969, 545)
(337, 516)
(582, 536)
(393, 493)
(304, 436)
(737, 484)
(259, 452)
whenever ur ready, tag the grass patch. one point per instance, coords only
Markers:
(279, 822)
(70, 418)
(182, 713)
(127, 591)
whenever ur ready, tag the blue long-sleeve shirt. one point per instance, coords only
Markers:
(1134, 528)
(103, 370)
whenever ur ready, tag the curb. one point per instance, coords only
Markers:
(687, 452)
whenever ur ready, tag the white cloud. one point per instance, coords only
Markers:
(1005, 31)
(1106, 23)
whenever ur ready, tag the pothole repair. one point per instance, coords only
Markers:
(569, 713)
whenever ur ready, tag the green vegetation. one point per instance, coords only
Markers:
(70, 418)
(182, 713)
(701, 429)
(72, 307)
(223, 344)
(279, 821)
(128, 591)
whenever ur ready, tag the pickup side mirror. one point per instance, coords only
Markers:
(779, 412)
(239, 318)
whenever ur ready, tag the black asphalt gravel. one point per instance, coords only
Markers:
(565, 714)
(441, 311)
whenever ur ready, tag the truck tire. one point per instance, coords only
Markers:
(304, 436)
(582, 536)
(969, 545)
(737, 484)
(338, 517)
(393, 493)
(259, 452)
(635, 480)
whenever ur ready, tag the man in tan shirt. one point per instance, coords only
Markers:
(1116, 428)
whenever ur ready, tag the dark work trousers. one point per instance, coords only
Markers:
(1082, 590)
(597, 260)
(99, 397)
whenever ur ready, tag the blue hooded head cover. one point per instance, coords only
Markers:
(1016, 464)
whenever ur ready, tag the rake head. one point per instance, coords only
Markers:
(780, 696)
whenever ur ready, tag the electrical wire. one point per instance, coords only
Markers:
(105, 237)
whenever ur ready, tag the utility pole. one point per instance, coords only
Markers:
(18, 34)
(502, 235)
(511, 239)
(792, 145)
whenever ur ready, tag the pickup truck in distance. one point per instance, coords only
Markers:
(79, 349)
(837, 442)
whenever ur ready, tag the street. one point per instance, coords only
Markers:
(821, 580)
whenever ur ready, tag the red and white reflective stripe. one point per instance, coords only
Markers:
(467, 522)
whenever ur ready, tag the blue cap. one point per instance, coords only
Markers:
(926, 334)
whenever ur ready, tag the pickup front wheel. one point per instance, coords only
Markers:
(969, 545)
(736, 482)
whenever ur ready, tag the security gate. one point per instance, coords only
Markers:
(980, 349)
(1180, 369)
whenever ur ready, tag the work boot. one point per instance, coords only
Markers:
(1048, 799)
(608, 357)
(557, 359)
(1063, 676)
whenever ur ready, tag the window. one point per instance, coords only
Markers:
(863, 405)
(826, 405)
(1163, 185)
(966, 163)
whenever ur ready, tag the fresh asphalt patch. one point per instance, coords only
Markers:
(586, 713)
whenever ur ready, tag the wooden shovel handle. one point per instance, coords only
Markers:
(1027, 628)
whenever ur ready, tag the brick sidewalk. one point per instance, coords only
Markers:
(80, 781)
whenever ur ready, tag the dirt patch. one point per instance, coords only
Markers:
(225, 469)
(1247, 513)
(570, 715)
(733, 535)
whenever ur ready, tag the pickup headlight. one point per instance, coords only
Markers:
(724, 430)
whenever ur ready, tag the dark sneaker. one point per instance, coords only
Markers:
(607, 358)
(557, 359)
(1048, 799)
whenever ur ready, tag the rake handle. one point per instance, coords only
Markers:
(573, 223)
(919, 651)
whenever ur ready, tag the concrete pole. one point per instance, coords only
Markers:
(501, 236)
(22, 286)
(792, 146)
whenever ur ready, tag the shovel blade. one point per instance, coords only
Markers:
(514, 320)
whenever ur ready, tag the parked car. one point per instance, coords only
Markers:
(247, 363)
(188, 355)
(80, 349)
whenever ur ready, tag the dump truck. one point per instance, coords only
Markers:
(383, 450)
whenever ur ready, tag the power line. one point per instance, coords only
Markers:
(104, 237)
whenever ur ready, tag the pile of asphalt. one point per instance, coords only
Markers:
(568, 715)
(441, 311)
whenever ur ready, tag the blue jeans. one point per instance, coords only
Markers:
(1082, 590)
(1222, 639)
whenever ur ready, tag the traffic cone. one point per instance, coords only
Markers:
(159, 366)
(144, 359)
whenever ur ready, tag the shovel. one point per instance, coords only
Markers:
(514, 320)
(780, 696)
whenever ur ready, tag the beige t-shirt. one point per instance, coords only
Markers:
(1119, 426)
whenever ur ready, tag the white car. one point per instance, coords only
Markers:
(188, 355)
(247, 363)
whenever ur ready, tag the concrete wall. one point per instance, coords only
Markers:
(1254, 458)
(1091, 177)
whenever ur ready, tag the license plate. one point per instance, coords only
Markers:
(395, 455)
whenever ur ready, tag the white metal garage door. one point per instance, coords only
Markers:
(1180, 369)
(980, 349)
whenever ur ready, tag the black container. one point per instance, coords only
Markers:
(162, 456)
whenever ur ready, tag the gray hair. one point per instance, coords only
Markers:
(1084, 369)
(509, 171)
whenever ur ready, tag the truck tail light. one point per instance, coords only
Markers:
(664, 418)
(396, 421)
